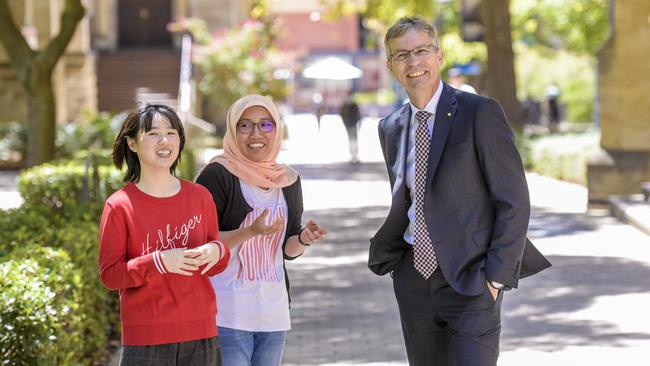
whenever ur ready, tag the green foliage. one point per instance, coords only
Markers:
(13, 141)
(380, 14)
(380, 97)
(456, 51)
(67, 184)
(561, 156)
(22, 225)
(574, 74)
(95, 131)
(237, 61)
(39, 308)
(186, 168)
(577, 25)
(74, 233)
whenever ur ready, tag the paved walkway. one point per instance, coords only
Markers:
(9, 197)
(590, 308)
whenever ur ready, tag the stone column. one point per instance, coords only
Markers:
(624, 95)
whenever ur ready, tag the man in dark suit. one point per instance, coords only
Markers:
(455, 236)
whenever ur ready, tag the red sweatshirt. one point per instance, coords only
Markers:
(158, 307)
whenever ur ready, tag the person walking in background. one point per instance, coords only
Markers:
(351, 116)
(456, 78)
(553, 104)
(455, 235)
(259, 205)
(318, 108)
(158, 243)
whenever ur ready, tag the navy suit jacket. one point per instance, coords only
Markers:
(476, 205)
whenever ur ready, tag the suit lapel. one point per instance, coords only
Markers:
(401, 134)
(445, 113)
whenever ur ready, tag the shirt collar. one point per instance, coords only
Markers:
(433, 103)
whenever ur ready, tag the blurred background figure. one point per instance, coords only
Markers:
(351, 116)
(532, 111)
(318, 107)
(456, 78)
(553, 104)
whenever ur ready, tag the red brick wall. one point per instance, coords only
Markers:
(298, 31)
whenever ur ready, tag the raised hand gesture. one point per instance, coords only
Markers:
(311, 233)
(259, 227)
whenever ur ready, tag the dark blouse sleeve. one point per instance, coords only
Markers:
(295, 217)
(293, 196)
(214, 179)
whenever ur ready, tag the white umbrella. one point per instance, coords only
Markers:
(332, 68)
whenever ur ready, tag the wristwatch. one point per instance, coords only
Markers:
(496, 285)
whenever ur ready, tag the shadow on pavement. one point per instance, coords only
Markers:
(544, 313)
(546, 223)
(341, 312)
(362, 172)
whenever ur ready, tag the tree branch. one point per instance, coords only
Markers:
(73, 12)
(13, 41)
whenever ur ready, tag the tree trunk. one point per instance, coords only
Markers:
(34, 71)
(41, 116)
(501, 83)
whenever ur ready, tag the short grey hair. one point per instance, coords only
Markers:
(403, 25)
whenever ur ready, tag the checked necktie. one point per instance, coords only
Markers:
(424, 257)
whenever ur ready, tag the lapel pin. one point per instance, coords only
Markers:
(448, 114)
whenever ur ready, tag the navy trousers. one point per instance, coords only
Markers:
(442, 327)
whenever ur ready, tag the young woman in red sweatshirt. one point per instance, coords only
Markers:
(158, 245)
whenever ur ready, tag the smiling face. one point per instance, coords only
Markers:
(157, 148)
(256, 145)
(419, 75)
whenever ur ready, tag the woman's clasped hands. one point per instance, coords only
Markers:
(186, 261)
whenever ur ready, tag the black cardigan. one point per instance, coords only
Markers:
(232, 208)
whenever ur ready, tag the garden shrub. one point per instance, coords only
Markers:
(67, 184)
(40, 292)
(562, 156)
(76, 234)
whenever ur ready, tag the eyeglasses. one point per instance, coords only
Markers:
(419, 52)
(247, 127)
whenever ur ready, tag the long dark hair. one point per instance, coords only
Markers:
(139, 121)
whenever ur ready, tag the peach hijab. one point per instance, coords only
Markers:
(267, 173)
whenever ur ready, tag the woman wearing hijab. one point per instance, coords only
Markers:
(259, 207)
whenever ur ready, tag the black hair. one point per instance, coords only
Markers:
(139, 121)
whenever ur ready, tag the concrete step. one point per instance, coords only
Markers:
(633, 209)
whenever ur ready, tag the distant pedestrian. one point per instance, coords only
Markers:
(158, 245)
(552, 99)
(351, 116)
(456, 78)
(259, 205)
(455, 235)
(318, 107)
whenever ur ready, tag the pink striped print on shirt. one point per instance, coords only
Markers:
(257, 254)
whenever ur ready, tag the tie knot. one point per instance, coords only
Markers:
(422, 116)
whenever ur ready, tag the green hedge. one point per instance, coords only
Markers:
(39, 308)
(92, 179)
(560, 156)
(57, 186)
(75, 234)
